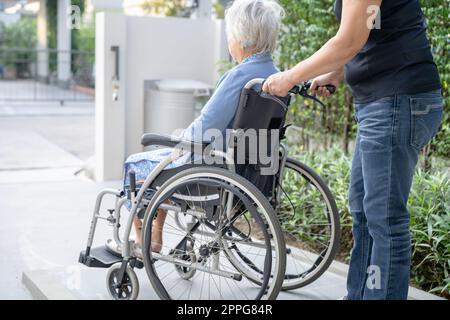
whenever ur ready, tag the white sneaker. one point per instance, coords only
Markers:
(116, 248)
(342, 298)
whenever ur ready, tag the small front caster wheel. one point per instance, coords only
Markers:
(128, 289)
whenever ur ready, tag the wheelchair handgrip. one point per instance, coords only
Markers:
(132, 182)
(298, 89)
(295, 90)
(331, 88)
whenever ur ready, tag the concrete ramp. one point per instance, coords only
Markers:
(81, 283)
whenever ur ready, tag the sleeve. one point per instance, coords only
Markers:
(219, 111)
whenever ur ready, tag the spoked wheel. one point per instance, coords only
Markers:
(128, 289)
(310, 221)
(209, 202)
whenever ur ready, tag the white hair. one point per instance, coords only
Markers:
(254, 24)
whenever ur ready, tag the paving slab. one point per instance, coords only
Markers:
(44, 225)
(45, 206)
(52, 108)
(40, 175)
(81, 283)
(32, 151)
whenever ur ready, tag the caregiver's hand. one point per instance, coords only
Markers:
(318, 85)
(279, 84)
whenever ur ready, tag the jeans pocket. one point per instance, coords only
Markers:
(426, 114)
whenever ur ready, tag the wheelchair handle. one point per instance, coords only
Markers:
(132, 182)
(298, 89)
(254, 82)
(304, 87)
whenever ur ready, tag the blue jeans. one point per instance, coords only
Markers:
(391, 132)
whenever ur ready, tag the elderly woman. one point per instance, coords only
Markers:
(252, 30)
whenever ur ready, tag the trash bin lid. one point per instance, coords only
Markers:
(181, 85)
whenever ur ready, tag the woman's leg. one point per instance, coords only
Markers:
(137, 223)
(391, 136)
(157, 230)
(378, 128)
(362, 242)
(158, 225)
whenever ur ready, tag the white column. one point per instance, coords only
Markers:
(42, 56)
(110, 115)
(204, 10)
(63, 41)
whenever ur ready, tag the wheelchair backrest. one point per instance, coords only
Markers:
(259, 110)
(258, 116)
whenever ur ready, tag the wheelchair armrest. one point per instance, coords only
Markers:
(155, 139)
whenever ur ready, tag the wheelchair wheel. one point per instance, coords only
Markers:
(310, 221)
(215, 208)
(128, 289)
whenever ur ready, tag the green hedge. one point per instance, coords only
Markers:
(308, 25)
(429, 206)
(21, 34)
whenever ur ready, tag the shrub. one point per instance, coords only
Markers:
(429, 206)
(19, 35)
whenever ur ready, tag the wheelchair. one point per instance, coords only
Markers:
(236, 227)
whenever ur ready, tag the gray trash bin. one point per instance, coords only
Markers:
(172, 104)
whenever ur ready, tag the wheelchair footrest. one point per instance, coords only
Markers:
(98, 257)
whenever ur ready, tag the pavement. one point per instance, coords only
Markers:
(29, 89)
(46, 207)
(42, 146)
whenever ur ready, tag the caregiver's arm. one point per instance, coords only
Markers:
(356, 24)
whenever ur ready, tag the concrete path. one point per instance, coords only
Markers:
(90, 284)
(34, 90)
(42, 146)
(75, 282)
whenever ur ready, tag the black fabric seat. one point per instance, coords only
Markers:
(261, 113)
(168, 173)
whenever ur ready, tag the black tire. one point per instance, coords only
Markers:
(276, 274)
(315, 180)
(127, 291)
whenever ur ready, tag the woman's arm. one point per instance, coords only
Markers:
(319, 83)
(356, 24)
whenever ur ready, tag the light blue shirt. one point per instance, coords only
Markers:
(219, 111)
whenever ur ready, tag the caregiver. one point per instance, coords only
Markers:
(386, 61)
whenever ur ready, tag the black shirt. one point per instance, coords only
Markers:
(396, 58)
